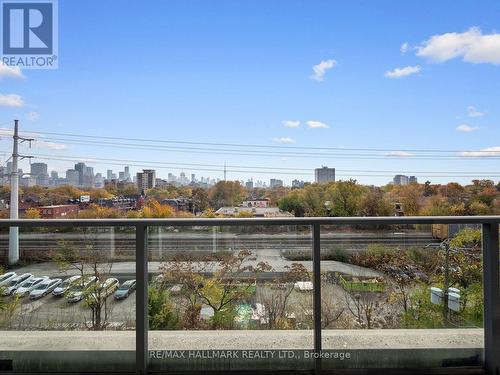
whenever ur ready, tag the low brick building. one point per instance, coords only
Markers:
(58, 212)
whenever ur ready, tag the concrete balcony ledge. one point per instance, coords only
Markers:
(470, 338)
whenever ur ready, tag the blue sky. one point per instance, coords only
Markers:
(234, 71)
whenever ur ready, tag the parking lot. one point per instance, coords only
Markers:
(50, 312)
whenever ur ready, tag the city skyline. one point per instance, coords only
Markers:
(336, 75)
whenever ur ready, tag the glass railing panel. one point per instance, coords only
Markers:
(384, 302)
(230, 298)
(74, 311)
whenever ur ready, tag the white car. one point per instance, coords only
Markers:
(110, 285)
(15, 283)
(6, 277)
(65, 285)
(44, 288)
(77, 291)
(26, 287)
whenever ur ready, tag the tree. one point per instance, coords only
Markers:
(188, 275)
(344, 198)
(89, 262)
(226, 286)
(436, 206)
(364, 307)
(160, 310)
(275, 295)
(61, 194)
(226, 193)
(98, 212)
(293, 203)
(373, 203)
(219, 287)
(453, 192)
(200, 199)
(154, 209)
(32, 213)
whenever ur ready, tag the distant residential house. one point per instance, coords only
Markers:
(179, 204)
(262, 203)
(254, 211)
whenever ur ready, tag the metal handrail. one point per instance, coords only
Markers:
(390, 220)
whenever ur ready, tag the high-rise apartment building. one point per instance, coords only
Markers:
(72, 177)
(146, 180)
(80, 167)
(275, 183)
(324, 175)
(39, 173)
(400, 179)
(38, 169)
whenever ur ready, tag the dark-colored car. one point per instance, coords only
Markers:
(125, 289)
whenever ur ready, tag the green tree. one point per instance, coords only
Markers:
(160, 310)
(344, 198)
(293, 203)
(226, 193)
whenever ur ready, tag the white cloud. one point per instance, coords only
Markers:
(317, 125)
(50, 145)
(287, 140)
(11, 100)
(473, 112)
(489, 151)
(472, 46)
(398, 153)
(404, 47)
(10, 71)
(402, 72)
(291, 123)
(32, 116)
(321, 68)
(466, 128)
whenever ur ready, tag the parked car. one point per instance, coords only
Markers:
(105, 288)
(6, 277)
(78, 290)
(44, 288)
(66, 285)
(125, 289)
(29, 285)
(15, 283)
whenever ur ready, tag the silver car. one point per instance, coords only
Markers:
(65, 285)
(15, 283)
(44, 288)
(26, 287)
(77, 292)
(6, 277)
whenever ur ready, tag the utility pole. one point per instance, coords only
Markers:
(446, 312)
(14, 195)
(225, 171)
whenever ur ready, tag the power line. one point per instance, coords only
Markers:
(177, 166)
(486, 152)
(255, 167)
(264, 153)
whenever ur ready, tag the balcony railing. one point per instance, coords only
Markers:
(490, 259)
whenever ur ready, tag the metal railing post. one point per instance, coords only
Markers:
(141, 314)
(491, 285)
(316, 259)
